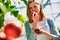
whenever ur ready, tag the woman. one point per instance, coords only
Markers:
(38, 27)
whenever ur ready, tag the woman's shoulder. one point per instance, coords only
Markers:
(50, 22)
(48, 19)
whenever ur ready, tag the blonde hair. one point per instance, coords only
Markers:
(29, 14)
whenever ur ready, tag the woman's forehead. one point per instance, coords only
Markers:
(33, 3)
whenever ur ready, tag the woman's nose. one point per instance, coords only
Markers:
(33, 9)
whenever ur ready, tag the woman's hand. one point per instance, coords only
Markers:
(47, 35)
(35, 16)
(41, 31)
(37, 31)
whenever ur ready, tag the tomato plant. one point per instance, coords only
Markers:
(10, 30)
(5, 6)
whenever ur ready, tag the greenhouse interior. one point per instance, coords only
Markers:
(13, 17)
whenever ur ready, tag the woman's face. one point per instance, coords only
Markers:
(34, 10)
(34, 7)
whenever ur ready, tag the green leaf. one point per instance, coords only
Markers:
(3, 1)
(12, 6)
(14, 12)
(19, 3)
(25, 1)
(58, 29)
(0, 0)
(6, 4)
(0, 14)
(3, 8)
(21, 18)
(0, 11)
(1, 20)
(9, 2)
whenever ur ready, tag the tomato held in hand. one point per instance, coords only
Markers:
(37, 31)
(11, 30)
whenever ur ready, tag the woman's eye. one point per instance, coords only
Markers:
(30, 8)
(35, 6)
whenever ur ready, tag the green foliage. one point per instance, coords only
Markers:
(25, 1)
(18, 2)
(58, 30)
(21, 18)
(8, 2)
(3, 8)
(0, 0)
(7, 7)
(18, 16)
(1, 19)
(14, 12)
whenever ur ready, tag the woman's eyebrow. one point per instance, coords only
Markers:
(35, 6)
(37, 3)
(30, 7)
(31, 1)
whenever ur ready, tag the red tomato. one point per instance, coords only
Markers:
(37, 31)
(3, 38)
(11, 30)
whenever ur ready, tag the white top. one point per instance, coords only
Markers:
(43, 24)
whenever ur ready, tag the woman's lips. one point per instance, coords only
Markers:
(34, 13)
